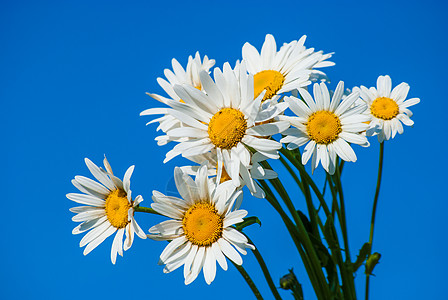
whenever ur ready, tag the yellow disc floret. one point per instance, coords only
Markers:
(384, 108)
(202, 224)
(323, 127)
(117, 207)
(227, 128)
(269, 80)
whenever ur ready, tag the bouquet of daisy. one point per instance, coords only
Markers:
(229, 123)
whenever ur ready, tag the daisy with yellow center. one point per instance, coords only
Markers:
(327, 127)
(387, 108)
(109, 209)
(225, 120)
(200, 230)
(188, 76)
(285, 70)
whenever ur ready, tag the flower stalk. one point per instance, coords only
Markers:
(375, 203)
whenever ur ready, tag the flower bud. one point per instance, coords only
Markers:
(371, 262)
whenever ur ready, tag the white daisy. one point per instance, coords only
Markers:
(285, 70)
(225, 118)
(109, 209)
(388, 109)
(327, 126)
(190, 76)
(200, 231)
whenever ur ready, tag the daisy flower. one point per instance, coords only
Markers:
(200, 230)
(388, 109)
(285, 70)
(327, 127)
(109, 209)
(188, 76)
(226, 119)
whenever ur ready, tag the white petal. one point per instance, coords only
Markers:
(298, 107)
(86, 199)
(168, 211)
(233, 235)
(196, 266)
(92, 185)
(127, 179)
(180, 252)
(89, 215)
(346, 103)
(234, 217)
(209, 266)
(345, 149)
(261, 144)
(172, 246)
(100, 176)
(168, 227)
(337, 96)
(268, 129)
(309, 148)
(353, 138)
(116, 245)
(308, 99)
(212, 90)
(190, 132)
(219, 256)
(93, 244)
(230, 252)
(89, 225)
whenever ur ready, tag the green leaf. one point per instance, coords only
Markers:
(305, 221)
(330, 235)
(362, 256)
(247, 222)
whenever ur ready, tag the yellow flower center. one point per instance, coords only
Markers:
(227, 128)
(117, 207)
(323, 127)
(384, 108)
(269, 80)
(202, 224)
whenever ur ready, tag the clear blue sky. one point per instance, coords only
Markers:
(73, 77)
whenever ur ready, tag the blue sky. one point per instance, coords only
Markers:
(73, 81)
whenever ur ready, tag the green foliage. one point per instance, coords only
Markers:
(247, 222)
(362, 256)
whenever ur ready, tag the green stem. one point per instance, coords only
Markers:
(294, 233)
(343, 221)
(346, 276)
(305, 190)
(248, 280)
(342, 217)
(265, 270)
(148, 210)
(336, 257)
(291, 171)
(298, 165)
(303, 236)
(375, 202)
(311, 209)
